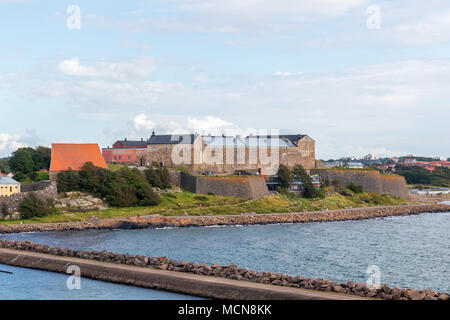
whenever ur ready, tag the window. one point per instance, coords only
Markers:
(165, 149)
(129, 157)
(115, 157)
(120, 157)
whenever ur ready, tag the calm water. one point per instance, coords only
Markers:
(411, 251)
(27, 284)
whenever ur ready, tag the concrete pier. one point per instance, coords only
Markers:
(179, 282)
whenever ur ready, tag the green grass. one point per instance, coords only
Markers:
(186, 203)
(115, 167)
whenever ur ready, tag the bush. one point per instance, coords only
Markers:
(32, 206)
(68, 181)
(201, 198)
(356, 188)
(19, 176)
(4, 209)
(158, 177)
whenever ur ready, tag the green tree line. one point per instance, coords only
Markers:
(122, 188)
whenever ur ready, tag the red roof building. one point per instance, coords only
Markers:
(74, 156)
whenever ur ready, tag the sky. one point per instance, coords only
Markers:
(358, 76)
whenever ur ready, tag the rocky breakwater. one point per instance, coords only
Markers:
(158, 221)
(232, 272)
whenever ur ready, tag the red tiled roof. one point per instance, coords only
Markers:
(68, 155)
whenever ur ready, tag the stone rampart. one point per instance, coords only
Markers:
(370, 180)
(251, 187)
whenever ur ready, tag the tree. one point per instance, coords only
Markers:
(4, 166)
(158, 177)
(28, 160)
(68, 181)
(41, 158)
(32, 206)
(285, 176)
(22, 160)
(309, 191)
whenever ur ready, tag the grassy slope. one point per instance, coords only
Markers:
(186, 203)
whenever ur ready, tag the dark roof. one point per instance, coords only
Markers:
(172, 139)
(132, 143)
(293, 137)
(263, 140)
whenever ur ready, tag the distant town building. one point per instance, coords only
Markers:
(369, 157)
(354, 165)
(409, 161)
(333, 164)
(8, 186)
(73, 156)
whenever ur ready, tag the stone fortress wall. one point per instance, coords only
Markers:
(251, 187)
(370, 180)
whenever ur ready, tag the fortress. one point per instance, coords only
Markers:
(260, 154)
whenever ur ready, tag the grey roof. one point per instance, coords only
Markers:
(266, 141)
(294, 138)
(223, 141)
(132, 143)
(249, 141)
(7, 180)
(172, 139)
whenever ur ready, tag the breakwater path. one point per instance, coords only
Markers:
(159, 221)
(138, 274)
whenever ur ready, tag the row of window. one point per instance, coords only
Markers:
(117, 157)
(10, 188)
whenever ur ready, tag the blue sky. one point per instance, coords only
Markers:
(316, 67)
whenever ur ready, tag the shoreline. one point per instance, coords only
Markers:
(158, 221)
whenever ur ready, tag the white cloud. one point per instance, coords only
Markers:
(136, 68)
(103, 85)
(143, 126)
(432, 28)
(9, 143)
(209, 124)
(282, 74)
(141, 123)
(270, 7)
(234, 16)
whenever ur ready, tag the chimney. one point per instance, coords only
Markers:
(125, 139)
(153, 133)
(142, 139)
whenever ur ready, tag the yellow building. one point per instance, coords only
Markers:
(8, 186)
